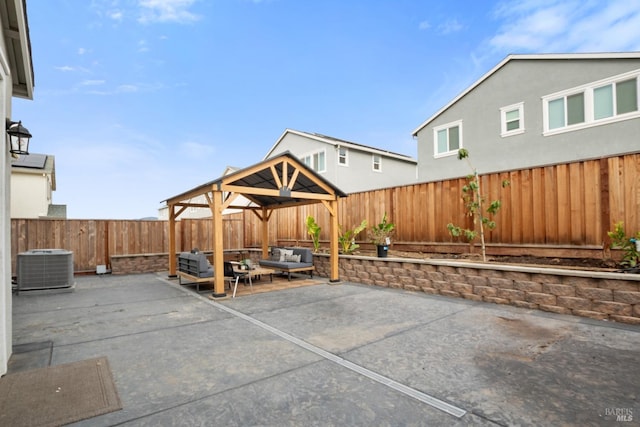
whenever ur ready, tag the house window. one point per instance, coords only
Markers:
(447, 139)
(512, 119)
(377, 162)
(566, 111)
(342, 156)
(315, 161)
(615, 98)
(605, 101)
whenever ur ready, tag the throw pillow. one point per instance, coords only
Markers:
(275, 254)
(292, 258)
(284, 253)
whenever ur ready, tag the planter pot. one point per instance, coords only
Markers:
(382, 251)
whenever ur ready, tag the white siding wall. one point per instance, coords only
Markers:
(30, 195)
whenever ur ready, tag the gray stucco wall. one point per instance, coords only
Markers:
(527, 80)
(359, 174)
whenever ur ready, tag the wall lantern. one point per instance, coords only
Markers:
(19, 137)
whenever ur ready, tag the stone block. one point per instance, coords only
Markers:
(417, 274)
(626, 297)
(412, 288)
(472, 297)
(406, 281)
(427, 267)
(463, 288)
(423, 283)
(498, 282)
(448, 293)
(511, 294)
(485, 291)
(374, 275)
(580, 282)
(625, 319)
(574, 303)
(524, 304)
(611, 307)
(591, 314)
(491, 273)
(467, 271)
(558, 290)
(555, 309)
(445, 269)
(449, 277)
(441, 285)
(363, 275)
(435, 276)
(595, 294)
(517, 276)
(620, 285)
(540, 298)
(477, 280)
(430, 291)
(384, 270)
(497, 300)
(527, 286)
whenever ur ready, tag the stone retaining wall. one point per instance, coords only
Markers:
(139, 263)
(151, 263)
(598, 295)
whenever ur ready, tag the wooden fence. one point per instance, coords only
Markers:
(558, 210)
(561, 210)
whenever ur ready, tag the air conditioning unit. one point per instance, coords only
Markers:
(45, 269)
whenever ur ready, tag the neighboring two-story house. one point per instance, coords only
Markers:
(33, 181)
(535, 110)
(349, 166)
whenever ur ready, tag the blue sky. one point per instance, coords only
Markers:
(140, 100)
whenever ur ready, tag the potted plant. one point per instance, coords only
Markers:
(380, 235)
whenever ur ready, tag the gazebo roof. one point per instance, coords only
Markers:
(278, 182)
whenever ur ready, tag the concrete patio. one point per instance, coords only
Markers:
(323, 354)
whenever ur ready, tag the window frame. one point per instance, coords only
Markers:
(588, 90)
(345, 157)
(447, 126)
(374, 163)
(503, 119)
(310, 155)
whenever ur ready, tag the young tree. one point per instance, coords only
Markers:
(473, 202)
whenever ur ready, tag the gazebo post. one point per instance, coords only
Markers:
(333, 241)
(265, 233)
(218, 246)
(172, 241)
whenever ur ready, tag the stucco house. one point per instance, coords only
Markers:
(349, 166)
(34, 176)
(536, 110)
(16, 79)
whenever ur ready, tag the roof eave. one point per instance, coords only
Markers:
(18, 44)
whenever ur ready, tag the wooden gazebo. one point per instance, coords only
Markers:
(279, 182)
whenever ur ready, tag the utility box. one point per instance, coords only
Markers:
(45, 269)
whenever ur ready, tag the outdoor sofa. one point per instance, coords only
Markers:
(194, 267)
(289, 260)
